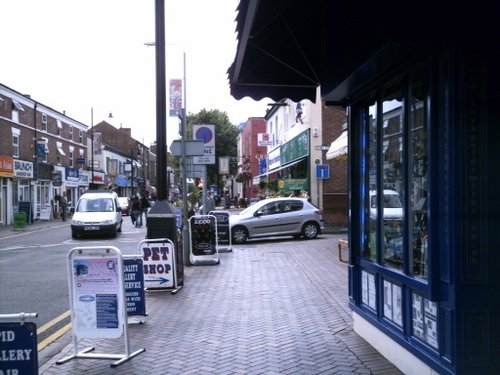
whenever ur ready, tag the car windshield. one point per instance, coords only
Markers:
(95, 205)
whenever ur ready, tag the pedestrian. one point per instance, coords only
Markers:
(145, 206)
(64, 204)
(210, 203)
(137, 211)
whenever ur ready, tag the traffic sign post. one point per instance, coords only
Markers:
(323, 171)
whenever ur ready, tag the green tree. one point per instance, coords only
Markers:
(226, 135)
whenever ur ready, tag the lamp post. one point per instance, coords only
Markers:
(92, 147)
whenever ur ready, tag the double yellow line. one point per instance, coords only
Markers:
(42, 345)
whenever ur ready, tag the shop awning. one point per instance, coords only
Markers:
(339, 147)
(280, 168)
(286, 49)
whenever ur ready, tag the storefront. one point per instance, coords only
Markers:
(423, 128)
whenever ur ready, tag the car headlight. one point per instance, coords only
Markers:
(107, 222)
(76, 222)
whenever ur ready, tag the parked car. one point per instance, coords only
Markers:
(125, 205)
(97, 212)
(277, 217)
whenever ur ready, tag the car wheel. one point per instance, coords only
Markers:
(310, 230)
(113, 233)
(120, 228)
(74, 235)
(239, 235)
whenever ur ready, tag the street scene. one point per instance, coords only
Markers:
(275, 305)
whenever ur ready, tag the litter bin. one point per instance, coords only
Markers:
(20, 221)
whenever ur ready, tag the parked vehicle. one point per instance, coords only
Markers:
(97, 212)
(277, 217)
(393, 207)
(125, 205)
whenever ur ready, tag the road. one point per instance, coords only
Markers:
(34, 277)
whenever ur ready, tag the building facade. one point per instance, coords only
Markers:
(420, 84)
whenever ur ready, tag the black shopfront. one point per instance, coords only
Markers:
(421, 86)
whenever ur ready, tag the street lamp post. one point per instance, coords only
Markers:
(92, 147)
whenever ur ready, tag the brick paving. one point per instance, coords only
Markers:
(274, 307)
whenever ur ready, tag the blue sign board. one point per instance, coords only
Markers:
(19, 354)
(133, 276)
(322, 171)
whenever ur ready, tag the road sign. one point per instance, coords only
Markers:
(322, 171)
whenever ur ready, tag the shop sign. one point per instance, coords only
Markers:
(23, 169)
(19, 353)
(297, 148)
(6, 166)
(293, 184)
(57, 179)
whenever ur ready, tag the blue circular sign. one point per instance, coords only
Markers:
(204, 134)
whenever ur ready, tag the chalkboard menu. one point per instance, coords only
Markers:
(26, 208)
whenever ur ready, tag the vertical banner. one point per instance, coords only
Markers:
(97, 143)
(223, 164)
(175, 97)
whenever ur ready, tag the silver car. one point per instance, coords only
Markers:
(277, 217)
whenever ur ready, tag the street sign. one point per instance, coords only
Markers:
(321, 148)
(322, 171)
(193, 148)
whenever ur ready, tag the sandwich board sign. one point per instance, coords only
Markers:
(223, 230)
(203, 235)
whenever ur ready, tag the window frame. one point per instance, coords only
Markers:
(359, 118)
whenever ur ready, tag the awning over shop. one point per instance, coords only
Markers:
(286, 49)
(280, 168)
(339, 147)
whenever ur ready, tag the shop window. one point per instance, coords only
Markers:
(425, 320)
(393, 303)
(368, 290)
(395, 181)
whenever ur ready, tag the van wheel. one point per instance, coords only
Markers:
(74, 235)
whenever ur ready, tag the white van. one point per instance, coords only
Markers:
(393, 207)
(97, 212)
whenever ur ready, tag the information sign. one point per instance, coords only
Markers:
(323, 171)
(97, 296)
(203, 234)
(159, 264)
(133, 276)
(18, 344)
(223, 235)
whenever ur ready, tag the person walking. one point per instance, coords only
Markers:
(137, 211)
(64, 204)
(210, 203)
(145, 205)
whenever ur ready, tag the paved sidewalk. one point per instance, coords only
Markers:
(274, 309)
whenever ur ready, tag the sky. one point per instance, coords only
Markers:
(84, 56)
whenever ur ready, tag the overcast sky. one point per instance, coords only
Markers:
(74, 55)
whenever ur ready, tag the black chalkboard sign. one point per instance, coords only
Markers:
(26, 208)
